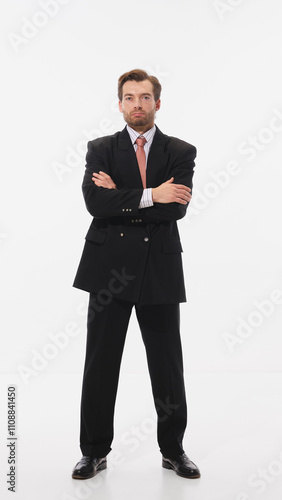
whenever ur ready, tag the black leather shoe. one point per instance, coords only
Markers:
(88, 467)
(182, 465)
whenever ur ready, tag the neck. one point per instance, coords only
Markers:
(142, 129)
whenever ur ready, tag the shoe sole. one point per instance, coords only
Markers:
(167, 465)
(101, 466)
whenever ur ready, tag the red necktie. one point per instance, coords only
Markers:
(141, 158)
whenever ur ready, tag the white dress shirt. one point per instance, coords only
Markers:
(146, 200)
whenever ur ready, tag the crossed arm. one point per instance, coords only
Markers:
(104, 199)
(167, 192)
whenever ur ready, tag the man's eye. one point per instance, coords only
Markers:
(147, 97)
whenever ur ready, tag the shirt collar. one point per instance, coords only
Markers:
(149, 135)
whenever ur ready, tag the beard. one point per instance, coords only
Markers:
(139, 121)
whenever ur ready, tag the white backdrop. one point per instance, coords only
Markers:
(220, 66)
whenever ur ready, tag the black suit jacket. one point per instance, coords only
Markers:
(130, 253)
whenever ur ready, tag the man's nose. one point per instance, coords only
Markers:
(138, 103)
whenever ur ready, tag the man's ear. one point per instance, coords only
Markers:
(120, 106)
(158, 104)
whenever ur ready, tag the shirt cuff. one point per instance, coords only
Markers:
(146, 200)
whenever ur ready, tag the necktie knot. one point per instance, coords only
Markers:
(140, 141)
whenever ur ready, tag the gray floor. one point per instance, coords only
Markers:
(234, 435)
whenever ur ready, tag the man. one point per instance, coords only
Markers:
(136, 185)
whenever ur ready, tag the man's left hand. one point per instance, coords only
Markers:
(103, 180)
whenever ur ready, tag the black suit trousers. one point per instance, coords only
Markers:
(106, 331)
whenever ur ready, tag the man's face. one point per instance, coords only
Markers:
(138, 105)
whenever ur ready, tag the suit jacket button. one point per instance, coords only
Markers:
(146, 239)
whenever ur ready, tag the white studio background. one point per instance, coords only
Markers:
(219, 64)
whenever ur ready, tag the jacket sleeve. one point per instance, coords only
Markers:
(103, 202)
(182, 170)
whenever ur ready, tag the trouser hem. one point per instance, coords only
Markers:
(97, 451)
(172, 453)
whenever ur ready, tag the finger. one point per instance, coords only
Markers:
(99, 183)
(182, 186)
(98, 175)
(184, 191)
(183, 197)
(180, 200)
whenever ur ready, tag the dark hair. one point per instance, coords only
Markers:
(139, 75)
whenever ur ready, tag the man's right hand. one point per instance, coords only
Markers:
(169, 193)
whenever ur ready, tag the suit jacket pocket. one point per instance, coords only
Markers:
(96, 235)
(172, 246)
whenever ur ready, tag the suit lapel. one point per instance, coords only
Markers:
(127, 162)
(157, 160)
